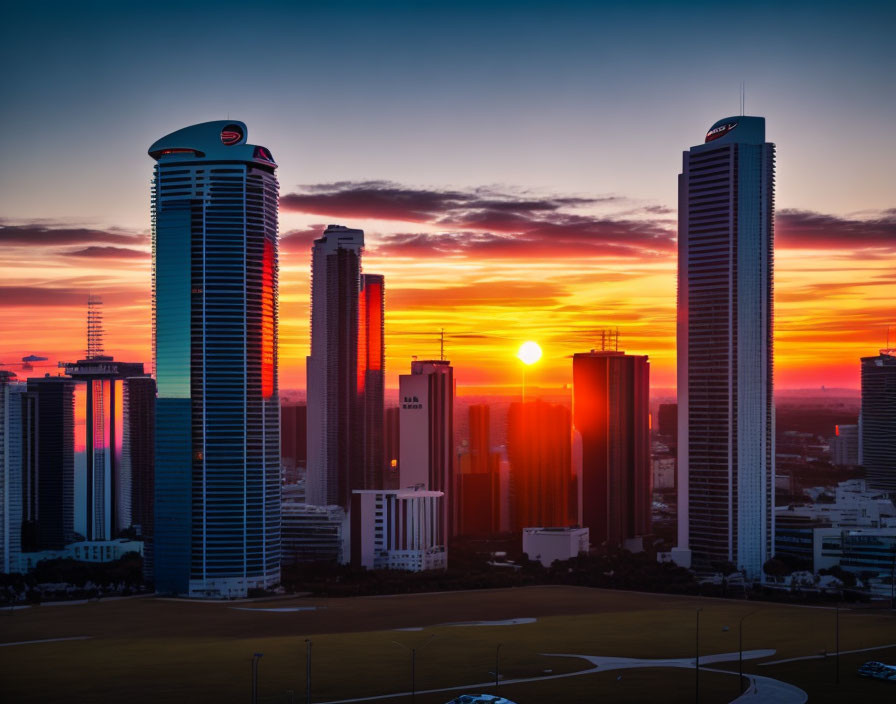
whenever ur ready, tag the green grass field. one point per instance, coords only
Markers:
(154, 650)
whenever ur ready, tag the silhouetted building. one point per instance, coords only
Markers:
(293, 440)
(878, 420)
(217, 480)
(539, 448)
(667, 421)
(611, 394)
(391, 447)
(427, 433)
(335, 442)
(725, 363)
(139, 460)
(371, 377)
(479, 480)
(50, 463)
(845, 446)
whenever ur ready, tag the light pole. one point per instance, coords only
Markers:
(255, 658)
(697, 659)
(497, 650)
(740, 652)
(413, 652)
(308, 671)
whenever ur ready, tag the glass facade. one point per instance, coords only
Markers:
(215, 273)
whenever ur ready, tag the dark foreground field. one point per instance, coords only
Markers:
(145, 650)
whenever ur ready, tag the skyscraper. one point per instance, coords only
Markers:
(138, 460)
(11, 474)
(427, 433)
(479, 488)
(371, 376)
(611, 413)
(107, 481)
(725, 371)
(49, 470)
(217, 481)
(539, 447)
(335, 457)
(878, 428)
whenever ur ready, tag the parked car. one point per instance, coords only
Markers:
(480, 699)
(878, 671)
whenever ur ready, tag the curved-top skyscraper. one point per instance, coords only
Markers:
(726, 423)
(217, 485)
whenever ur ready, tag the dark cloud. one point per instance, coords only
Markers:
(300, 240)
(483, 221)
(109, 252)
(41, 235)
(803, 229)
(70, 296)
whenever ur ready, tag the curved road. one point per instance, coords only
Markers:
(761, 689)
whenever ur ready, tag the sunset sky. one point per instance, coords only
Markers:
(513, 165)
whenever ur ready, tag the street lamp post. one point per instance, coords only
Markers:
(308, 671)
(697, 659)
(497, 650)
(413, 652)
(255, 658)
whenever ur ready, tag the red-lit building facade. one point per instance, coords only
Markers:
(611, 414)
(479, 479)
(371, 377)
(539, 447)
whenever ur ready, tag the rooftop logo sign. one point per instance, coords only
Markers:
(720, 131)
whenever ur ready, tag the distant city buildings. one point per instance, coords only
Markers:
(878, 420)
(845, 446)
(391, 447)
(426, 458)
(539, 449)
(313, 533)
(725, 363)
(217, 480)
(611, 413)
(293, 441)
(398, 529)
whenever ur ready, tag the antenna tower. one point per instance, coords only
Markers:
(609, 340)
(890, 349)
(442, 344)
(94, 327)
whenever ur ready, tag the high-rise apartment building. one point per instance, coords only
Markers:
(611, 395)
(217, 480)
(845, 446)
(11, 470)
(335, 458)
(371, 376)
(539, 447)
(49, 471)
(725, 371)
(878, 421)
(293, 441)
(138, 461)
(391, 447)
(427, 433)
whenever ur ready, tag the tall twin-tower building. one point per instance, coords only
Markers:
(217, 484)
(726, 207)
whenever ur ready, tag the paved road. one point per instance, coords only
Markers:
(761, 689)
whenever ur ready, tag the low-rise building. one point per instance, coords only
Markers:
(312, 533)
(83, 551)
(549, 544)
(398, 529)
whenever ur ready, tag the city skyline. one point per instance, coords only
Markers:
(517, 221)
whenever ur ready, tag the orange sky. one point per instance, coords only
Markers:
(493, 270)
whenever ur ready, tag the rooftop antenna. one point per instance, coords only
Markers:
(743, 97)
(442, 344)
(94, 327)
